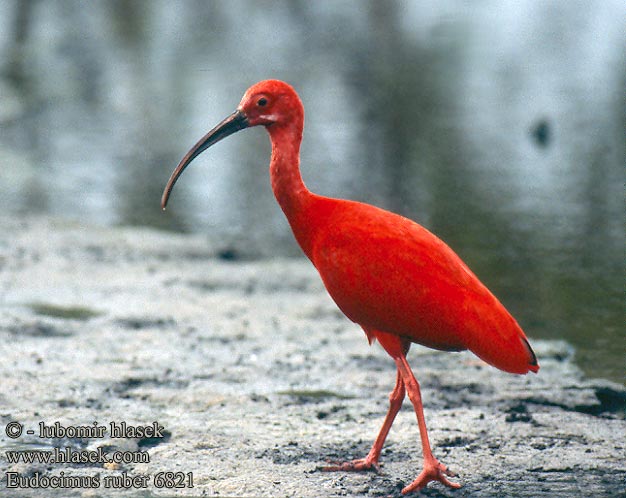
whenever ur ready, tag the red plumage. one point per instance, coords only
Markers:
(387, 273)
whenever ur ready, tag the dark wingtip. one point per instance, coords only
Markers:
(533, 364)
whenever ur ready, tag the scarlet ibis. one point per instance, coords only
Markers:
(388, 274)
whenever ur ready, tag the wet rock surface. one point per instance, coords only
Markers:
(258, 380)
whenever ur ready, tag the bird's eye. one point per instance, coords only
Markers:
(262, 102)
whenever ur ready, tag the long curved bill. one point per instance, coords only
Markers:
(233, 123)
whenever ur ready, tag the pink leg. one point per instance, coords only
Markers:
(433, 470)
(371, 460)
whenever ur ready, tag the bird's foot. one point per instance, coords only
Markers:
(433, 471)
(367, 463)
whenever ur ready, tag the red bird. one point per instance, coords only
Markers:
(393, 277)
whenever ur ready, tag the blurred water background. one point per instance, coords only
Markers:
(499, 125)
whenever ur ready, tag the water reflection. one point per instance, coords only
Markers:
(498, 125)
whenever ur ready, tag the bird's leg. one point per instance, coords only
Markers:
(433, 470)
(371, 460)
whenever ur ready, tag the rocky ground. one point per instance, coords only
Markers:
(257, 380)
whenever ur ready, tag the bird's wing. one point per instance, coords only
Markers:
(388, 273)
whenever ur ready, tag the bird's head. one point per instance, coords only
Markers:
(270, 103)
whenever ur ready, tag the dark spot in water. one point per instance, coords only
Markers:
(228, 254)
(541, 132)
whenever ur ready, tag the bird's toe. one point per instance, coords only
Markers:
(433, 471)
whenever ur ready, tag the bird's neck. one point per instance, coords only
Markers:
(287, 184)
(292, 195)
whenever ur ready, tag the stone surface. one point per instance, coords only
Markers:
(257, 379)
